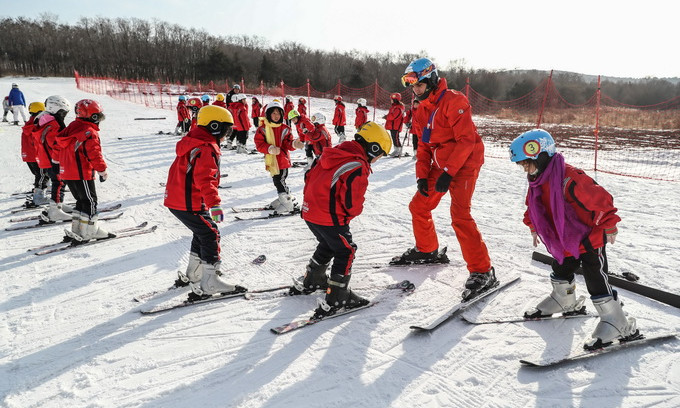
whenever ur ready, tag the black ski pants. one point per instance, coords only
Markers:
(595, 268)
(40, 175)
(280, 181)
(206, 239)
(335, 242)
(57, 193)
(85, 194)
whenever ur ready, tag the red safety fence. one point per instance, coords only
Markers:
(601, 134)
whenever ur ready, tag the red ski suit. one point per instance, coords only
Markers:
(28, 151)
(319, 138)
(45, 135)
(395, 117)
(362, 116)
(195, 174)
(289, 106)
(283, 139)
(221, 104)
(81, 151)
(240, 114)
(255, 109)
(303, 127)
(302, 107)
(594, 206)
(182, 111)
(454, 147)
(339, 118)
(335, 186)
(408, 118)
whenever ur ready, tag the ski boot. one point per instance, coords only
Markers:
(75, 233)
(479, 282)
(39, 197)
(212, 283)
(53, 214)
(341, 137)
(562, 299)
(613, 324)
(285, 205)
(241, 148)
(89, 229)
(193, 274)
(315, 278)
(338, 296)
(414, 256)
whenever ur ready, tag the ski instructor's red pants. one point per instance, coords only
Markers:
(470, 239)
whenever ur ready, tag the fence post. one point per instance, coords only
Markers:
(545, 96)
(309, 99)
(375, 97)
(467, 88)
(160, 93)
(283, 91)
(597, 122)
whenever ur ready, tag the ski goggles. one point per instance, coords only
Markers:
(409, 79)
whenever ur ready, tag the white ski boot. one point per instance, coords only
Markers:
(286, 204)
(562, 299)
(89, 228)
(75, 232)
(54, 214)
(308, 166)
(39, 197)
(194, 271)
(241, 148)
(613, 324)
(396, 152)
(341, 137)
(212, 283)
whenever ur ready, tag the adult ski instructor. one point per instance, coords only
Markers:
(450, 158)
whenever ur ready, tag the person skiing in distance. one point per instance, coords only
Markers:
(339, 118)
(408, 121)
(255, 107)
(303, 126)
(287, 107)
(183, 116)
(80, 156)
(28, 155)
(205, 99)
(450, 156)
(191, 195)
(334, 193)
(5, 108)
(194, 104)
(394, 121)
(219, 101)
(17, 104)
(275, 140)
(302, 106)
(239, 109)
(575, 218)
(361, 113)
(50, 123)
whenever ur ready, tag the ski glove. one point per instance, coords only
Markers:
(103, 175)
(273, 150)
(443, 183)
(422, 186)
(216, 213)
(298, 144)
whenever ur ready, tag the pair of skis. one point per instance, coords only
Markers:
(120, 234)
(50, 224)
(260, 209)
(37, 217)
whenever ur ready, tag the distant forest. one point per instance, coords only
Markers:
(159, 51)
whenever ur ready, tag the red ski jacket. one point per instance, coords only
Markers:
(455, 145)
(240, 113)
(44, 135)
(182, 111)
(289, 106)
(303, 127)
(339, 118)
(362, 116)
(80, 151)
(255, 109)
(302, 108)
(221, 104)
(283, 139)
(319, 138)
(28, 150)
(408, 119)
(395, 117)
(592, 203)
(195, 174)
(336, 184)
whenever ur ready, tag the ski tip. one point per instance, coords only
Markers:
(526, 363)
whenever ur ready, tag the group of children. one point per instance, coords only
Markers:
(66, 156)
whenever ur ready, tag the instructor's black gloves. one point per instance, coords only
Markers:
(443, 183)
(422, 187)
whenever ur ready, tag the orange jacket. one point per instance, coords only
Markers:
(454, 145)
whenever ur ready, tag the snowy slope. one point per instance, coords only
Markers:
(70, 334)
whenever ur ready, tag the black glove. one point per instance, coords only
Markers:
(443, 183)
(422, 187)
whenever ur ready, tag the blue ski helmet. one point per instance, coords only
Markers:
(205, 98)
(421, 70)
(530, 144)
(182, 98)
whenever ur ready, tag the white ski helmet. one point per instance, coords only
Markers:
(55, 103)
(289, 98)
(318, 118)
(361, 101)
(239, 97)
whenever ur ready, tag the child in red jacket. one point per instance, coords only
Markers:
(339, 118)
(275, 140)
(239, 111)
(183, 116)
(408, 121)
(361, 113)
(255, 107)
(191, 195)
(28, 155)
(333, 195)
(575, 218)
(80, 157)
(219, 101)
(302, 106)
(303, 126)
(395, 121)
(287, 107)
(319, 138)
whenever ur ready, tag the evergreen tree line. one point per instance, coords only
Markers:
(160, 51)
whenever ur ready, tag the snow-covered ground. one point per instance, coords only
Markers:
(70, 334)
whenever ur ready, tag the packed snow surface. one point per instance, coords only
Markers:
(71, 335)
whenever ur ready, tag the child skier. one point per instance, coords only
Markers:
(239, 109)
(575, 218)
(339, 118)
(408, 121)
(255, 108)
(205, 99)
(191, 195)
(50, 123)
(80, 157)
(219, 101)
(319, 138)
(275, 140)
(287, 107)
(28, 155)
(333, 195)
(183, 116)
(395, 121)
(302, 106)
(194, 104)
(303, 126)
(361, 113)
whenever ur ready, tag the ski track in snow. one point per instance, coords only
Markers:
(70, 334)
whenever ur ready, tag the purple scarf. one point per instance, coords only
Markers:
(565, 231)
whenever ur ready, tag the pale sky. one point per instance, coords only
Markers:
(598, 37)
